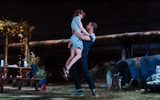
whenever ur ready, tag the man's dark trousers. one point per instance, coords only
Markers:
(84, 65)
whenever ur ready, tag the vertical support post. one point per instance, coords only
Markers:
(26, 50)
(123, 53)
(5, 55)
(6, 50)
(132, 50)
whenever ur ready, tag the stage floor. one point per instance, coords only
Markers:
(63, 92)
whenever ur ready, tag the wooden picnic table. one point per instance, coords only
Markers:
(20, 78)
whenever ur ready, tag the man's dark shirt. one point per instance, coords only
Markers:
(87, 44)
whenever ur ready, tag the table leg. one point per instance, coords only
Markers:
(19, 84)
(1, 85)
(36, 85)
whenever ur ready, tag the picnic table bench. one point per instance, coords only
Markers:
(20, 78)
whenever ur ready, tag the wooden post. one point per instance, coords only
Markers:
(26, 49)
(123, 53)
(5, 55)
(6, 50)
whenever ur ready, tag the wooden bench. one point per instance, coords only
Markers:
(35, 81)
(20, 79)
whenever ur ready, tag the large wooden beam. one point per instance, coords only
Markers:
(102, 37)
(129, 35)
(45, 42)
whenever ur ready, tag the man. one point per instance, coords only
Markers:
(87, 43)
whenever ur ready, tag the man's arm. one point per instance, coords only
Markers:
(83, 37)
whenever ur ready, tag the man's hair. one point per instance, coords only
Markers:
(94, 25)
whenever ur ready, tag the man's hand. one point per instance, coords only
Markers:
(83, 37)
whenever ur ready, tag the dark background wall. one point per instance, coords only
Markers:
(52, 21)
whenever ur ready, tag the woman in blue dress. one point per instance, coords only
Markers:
(76, 44)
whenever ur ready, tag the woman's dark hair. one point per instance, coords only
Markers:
(79, 11)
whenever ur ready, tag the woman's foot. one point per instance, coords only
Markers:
(66, 74)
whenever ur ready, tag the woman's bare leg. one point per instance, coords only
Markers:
(71, 56)
(78, 55)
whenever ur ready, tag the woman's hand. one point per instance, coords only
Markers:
(69, 45)
(72, 32)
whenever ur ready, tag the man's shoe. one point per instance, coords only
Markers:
(95, 94)
(78, 93)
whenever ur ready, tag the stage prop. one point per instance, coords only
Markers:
(140, 68)
(18, 29)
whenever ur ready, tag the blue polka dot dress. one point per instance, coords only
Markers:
(76, 42)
